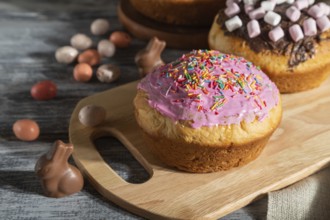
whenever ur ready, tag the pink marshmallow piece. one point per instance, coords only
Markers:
(309, 26)
(276, 34)
(248, 8)
(323, 23)
(230, 2)
(253, 28)
(301, 4)
(315, 11)
(232, 10)
(325, 8)
(296, 32)
(293, 13)
(257, 13)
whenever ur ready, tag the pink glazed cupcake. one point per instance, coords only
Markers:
(207, 111)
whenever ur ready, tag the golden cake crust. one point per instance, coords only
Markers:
(180, 12)
(306, 75)
(206, 149)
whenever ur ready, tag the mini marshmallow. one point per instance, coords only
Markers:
(311, 2)
(276, 34)
(253, 28)
(290, 1)
(278, 2)
(296, 32)
(309, 26)
(249, 2)
(268, 5)
(325, 8)
(248, 8)
(233, 23)
(301, 4)
(323, 23)
(315, 11)
(272, 18)
(232, 10)
(257, 13)
(230, 2)
(293, 13)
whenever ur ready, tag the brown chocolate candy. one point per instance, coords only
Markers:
(150, 57)
(58, 177)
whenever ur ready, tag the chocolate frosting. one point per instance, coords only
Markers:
(298, 52)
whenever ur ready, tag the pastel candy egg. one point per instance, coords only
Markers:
(120, 39)
(91, 115)
(66, 54)
(81, 41)
(44, 90)
(90, 56)
(106, 48)
(100, 26)
(26, 130)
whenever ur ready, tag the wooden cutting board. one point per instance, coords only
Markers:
(299, 147)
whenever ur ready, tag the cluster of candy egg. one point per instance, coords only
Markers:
(318, 17)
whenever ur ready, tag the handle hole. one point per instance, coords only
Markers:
(121, 160)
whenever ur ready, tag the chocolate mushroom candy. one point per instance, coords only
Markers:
(91, 115)
(108, 73)
(100, 26)
(150, 57)
(106, 48)
(66, 54)
(81, 41)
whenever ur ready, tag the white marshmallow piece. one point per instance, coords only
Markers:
(309, 26)
(232, 10)
(293, 13)
(315, 11)
(257, 13)
(233, 23)
(249, 2)
(311, 2)
(325, 8)
(301, 4)
(290, 1)
(323, 23)
(276, 34)
(253, 28)
(296, 32)
(268, 5)
(230, 2)
(278, 2)
(248, 8)
(272, 18)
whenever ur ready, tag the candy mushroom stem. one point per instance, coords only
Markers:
(150, 57)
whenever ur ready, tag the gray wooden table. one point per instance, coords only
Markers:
(30, 32)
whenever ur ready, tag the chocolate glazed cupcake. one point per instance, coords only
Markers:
(207, 111)
(289, 40)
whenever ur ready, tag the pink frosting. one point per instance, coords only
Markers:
(209, 88)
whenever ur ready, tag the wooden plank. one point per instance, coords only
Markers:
(300, 147)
